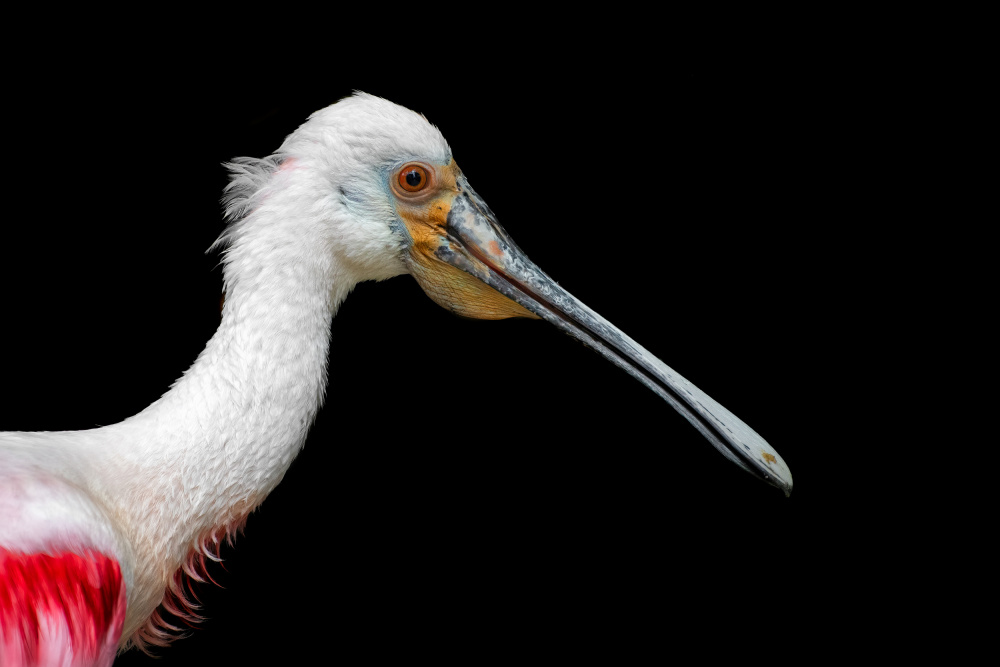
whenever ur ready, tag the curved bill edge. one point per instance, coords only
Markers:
(478, 245)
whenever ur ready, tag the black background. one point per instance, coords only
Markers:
(479, 489)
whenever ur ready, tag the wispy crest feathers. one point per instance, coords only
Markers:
(247, 178)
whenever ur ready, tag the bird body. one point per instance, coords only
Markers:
(157, 493)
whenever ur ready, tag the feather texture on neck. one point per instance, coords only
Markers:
(205, 454)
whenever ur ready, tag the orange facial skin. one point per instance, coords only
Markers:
(423, 206)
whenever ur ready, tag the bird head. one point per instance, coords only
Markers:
(397, 202)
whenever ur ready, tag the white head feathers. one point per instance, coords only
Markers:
(326, 188)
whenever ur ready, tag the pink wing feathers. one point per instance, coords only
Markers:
(63, 609)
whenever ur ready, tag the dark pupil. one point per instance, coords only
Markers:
(414, 178)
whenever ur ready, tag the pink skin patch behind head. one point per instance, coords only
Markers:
(62, 609)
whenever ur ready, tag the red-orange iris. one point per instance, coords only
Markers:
(413, 178)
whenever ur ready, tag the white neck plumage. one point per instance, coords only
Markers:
(199, 459)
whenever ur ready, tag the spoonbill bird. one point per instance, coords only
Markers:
(102, 528)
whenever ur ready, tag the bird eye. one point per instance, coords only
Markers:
(413, 178)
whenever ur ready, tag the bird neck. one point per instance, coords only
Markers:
(185, 472)
(225, 433)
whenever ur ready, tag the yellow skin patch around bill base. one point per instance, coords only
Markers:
(425, 215)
